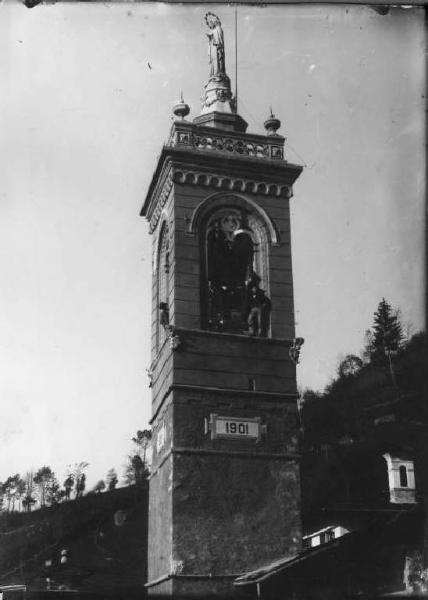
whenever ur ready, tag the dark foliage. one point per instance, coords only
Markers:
(87, 529)
(341, 409)
(47, 486)
(363, 413)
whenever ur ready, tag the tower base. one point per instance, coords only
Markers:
(195, 587)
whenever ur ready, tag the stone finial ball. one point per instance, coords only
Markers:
(181, 109)
(272, 124)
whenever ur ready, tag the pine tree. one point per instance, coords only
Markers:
(142, 443)
(100, 486)
(136, 471)
(385, 339)
(387, 334)
(112, 479)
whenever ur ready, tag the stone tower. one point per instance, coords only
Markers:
(224, 488)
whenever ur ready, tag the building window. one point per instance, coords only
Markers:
(323, 536)
(401, 479)
(403, 476)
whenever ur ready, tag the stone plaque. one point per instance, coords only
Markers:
(235, 428)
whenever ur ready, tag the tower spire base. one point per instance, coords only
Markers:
(222, 120)
(218, 95)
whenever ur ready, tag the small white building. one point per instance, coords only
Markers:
(401, 478)
(331, 532)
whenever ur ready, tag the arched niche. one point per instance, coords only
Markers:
(234, 236)
(239, 201)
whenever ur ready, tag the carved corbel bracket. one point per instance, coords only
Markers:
(175, 341)
(150, 375)
(294, 351)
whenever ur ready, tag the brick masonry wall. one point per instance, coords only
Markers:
(233, 514)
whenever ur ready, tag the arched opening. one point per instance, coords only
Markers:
(162, 274)
(235, 276)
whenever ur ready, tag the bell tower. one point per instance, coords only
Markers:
(224, 487)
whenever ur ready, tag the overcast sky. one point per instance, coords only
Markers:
(84, 110)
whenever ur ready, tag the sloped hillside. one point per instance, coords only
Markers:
(96, 543)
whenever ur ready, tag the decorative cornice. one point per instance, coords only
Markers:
(228, 183)
(204, 156)
(160, 196)
(214, 157)
(274, 341)
(216, 181)
(280, 397)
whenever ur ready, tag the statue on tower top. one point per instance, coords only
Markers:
(218, 95)
(218, 104)
(215, 45)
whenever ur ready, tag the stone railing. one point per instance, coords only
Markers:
(265, 147)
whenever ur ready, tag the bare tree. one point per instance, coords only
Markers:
(29, 496)
(76, 473)
(80, 485)
(68, 486)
